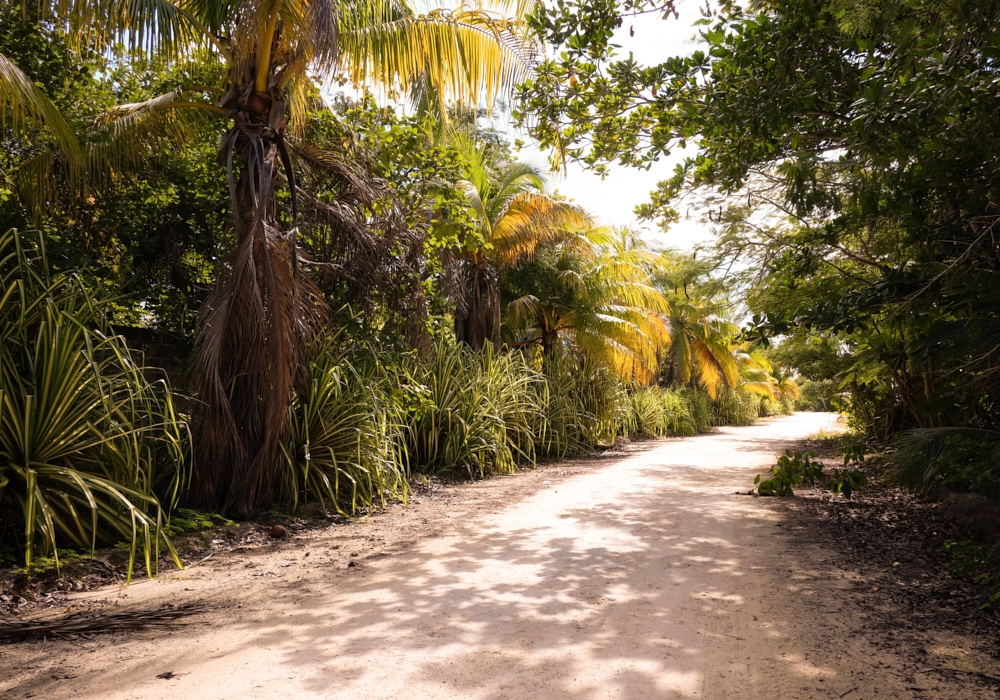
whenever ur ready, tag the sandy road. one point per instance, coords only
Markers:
(646, 577)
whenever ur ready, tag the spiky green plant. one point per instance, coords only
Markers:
(662, 413)
(700, 406)
(679, 419)
(344, 440)
(735, 407)
(648, 415)
(602, 402)
(84, 436)
(484, 412)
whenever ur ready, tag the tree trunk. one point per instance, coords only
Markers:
(252, 327)
(477, 315)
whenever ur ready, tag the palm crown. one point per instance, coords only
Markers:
(515, 218)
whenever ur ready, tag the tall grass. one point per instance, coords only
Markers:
(735, 407)
(585, 406)
(664, 412)
(84, 436)
(700, 407)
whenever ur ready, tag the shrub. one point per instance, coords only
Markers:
(603, 402)
(84, 436)
(735, 407)
(648, 414)
(662, 412)
(484, 415)
(678, 413)
(964, 458)
(344, 439)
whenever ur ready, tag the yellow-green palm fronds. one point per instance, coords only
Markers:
(530, 221)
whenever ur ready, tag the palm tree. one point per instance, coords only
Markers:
(264, 311)
(514, 218)
(786, 385)
(700, 352)
(600, 299)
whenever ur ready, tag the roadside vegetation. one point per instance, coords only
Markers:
(225, 293)
(844, 153)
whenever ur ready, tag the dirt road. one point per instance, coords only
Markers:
(643, 577)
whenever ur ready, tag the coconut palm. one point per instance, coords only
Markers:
(601, 300)
(514, 217)
(785, 385)
(700, 353)
(263, 312)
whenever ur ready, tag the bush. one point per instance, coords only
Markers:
(819, 395)
(735, 407)
(783, 406)
(344, 438)
(648, 414)
(700, 407)
(663, 412)
(963, 458)
(485, 412)
(84, 436)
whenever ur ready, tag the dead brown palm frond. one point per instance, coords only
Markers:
(359, 237)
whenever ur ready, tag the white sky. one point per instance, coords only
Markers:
(612, 201)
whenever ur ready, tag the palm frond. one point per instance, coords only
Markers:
(22, 103)
(461, 55)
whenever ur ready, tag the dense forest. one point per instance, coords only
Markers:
(259, 254)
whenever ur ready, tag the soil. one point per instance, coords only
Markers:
(641, 574)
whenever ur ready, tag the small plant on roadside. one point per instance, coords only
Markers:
(190, 520)
(791, 470)
(847, 481)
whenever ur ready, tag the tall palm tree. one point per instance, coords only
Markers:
(514, 217)
(600, 299)
(264, 311)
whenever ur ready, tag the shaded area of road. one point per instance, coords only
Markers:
(646, 578)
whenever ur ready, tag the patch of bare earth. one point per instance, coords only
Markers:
(941, 628)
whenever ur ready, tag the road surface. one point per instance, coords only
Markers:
(642, 577)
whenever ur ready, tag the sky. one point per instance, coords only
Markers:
(613, 200)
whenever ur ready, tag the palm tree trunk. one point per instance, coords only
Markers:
(550, 340)
(477, 316)
(252, 326)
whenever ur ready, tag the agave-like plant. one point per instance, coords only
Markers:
(84, 436)
(343, 446)
(483, 414)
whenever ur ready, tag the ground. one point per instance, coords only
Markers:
(643, 575)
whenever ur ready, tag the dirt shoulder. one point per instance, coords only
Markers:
(915, 596)
(637, 575)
